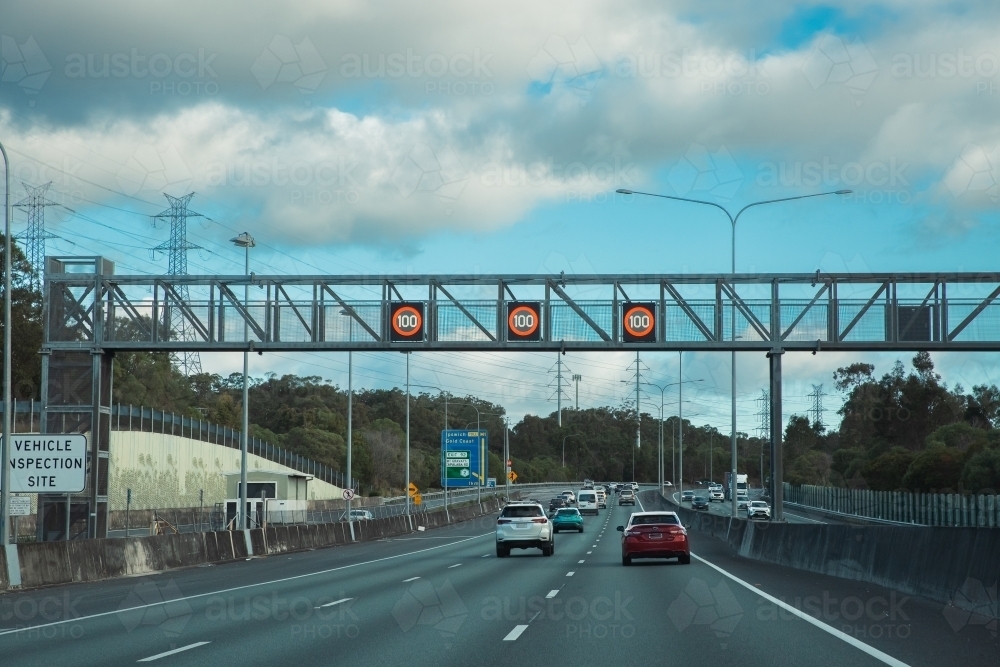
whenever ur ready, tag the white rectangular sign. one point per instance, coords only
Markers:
(48, 463)
(20, 505)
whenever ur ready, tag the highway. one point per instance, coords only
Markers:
(441, 597)
(725, 508)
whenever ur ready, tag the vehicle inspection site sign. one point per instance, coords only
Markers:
(48, 463)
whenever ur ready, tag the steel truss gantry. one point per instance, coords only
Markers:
(90, 310)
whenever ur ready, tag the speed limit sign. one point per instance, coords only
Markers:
(348, 494)
(524, 320)
(406, 321)
(639, 322)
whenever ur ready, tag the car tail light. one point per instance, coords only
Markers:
(542, 520)
(499, 521)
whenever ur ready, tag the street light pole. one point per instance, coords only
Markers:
(7, 401)
(571, 435)
(350, 435)
(732, 219)
(407, 432)
(246, 242)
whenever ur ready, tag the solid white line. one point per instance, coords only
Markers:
(455, 565)
(78, 619)
(176, 650)
(485, 556)
(330, 604)
(552, 594)
(570, 574)
(515, 633)
(804, 517)
(873, 652)
(406, 581)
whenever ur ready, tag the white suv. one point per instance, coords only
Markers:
(524, 526)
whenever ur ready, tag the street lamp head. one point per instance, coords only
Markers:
(843, 192)
(244, 240)
(623, 191)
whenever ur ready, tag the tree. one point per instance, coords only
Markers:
(935, 470)
(812, 467)
(886, 472)
(982, 472)
(384, 443)
(26, 327)
(318, 445)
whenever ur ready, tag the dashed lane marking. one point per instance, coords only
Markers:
(173, 652)
(335, 602)
(552, 594)
(406, 581)
(515, 633)
(570, 574)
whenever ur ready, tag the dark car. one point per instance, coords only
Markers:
(557, 503)
(699, 503)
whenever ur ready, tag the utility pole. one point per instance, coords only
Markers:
(576, 379)
(176, 248)
(34, 237)
(638, 414)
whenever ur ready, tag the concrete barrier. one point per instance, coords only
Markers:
(51, 563)
(950, 565)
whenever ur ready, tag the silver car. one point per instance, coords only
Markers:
(524, 526)
(742, 502)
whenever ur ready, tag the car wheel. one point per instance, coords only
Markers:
(685, 559)
(626, 560)
(581, 529)
(502, 553)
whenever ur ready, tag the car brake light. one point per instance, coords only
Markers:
(499, 521)
(542, 520)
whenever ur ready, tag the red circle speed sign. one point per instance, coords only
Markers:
(523, 320)
(639, 323)
(407, 322)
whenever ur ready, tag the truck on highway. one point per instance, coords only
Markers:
(741, 485)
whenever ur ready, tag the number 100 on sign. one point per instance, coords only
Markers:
(407, 321)
(524, 321)
(639, 323)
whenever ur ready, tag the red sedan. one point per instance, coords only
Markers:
(654, 535)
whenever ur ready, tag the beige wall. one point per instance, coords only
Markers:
(166, 471)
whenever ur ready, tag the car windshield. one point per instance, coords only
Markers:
(521, 511)
(650, 519)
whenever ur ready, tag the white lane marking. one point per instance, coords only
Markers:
(579, 562)
(570, 574)
(589, 552)
(552, 594)
(799, 516)
(873, 652)
(406, 581)
(78, 619)
(594, 546)
(176, 650)
(330, 604)
(515, 633)
(455, 565)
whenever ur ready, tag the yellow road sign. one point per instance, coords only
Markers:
(512, 476)
(413, 491)
(417, 499)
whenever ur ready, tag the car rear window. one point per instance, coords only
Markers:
(655, 518)
(588, 496)
(522, 511)
(565, 512)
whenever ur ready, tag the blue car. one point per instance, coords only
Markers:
(567, 518)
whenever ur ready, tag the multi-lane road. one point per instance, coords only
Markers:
(726, 509)
(442, 597)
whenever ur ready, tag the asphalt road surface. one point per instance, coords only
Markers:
(725, 508)
(442, 597)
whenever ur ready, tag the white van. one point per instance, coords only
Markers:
(602, 498)
(586, 502)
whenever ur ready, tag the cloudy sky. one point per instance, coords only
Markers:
(392, 137)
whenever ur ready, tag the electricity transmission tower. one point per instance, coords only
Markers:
(176, 249)
(559, 383)
(764, 415)
(817, 406)
(34, 237)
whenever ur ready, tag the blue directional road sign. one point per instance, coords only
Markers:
(464, 461)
